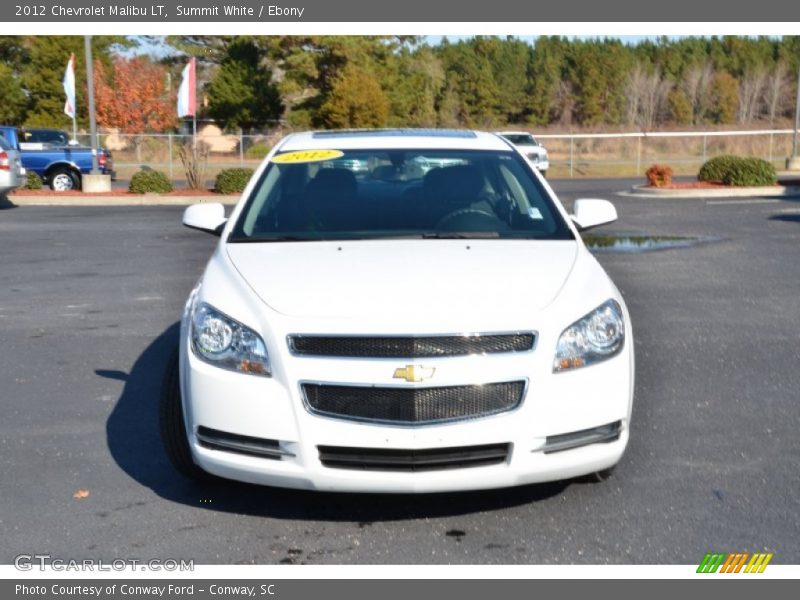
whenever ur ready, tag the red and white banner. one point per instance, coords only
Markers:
(69, 87)
(186, 93)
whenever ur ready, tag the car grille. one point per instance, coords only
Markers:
(381, 459)
(413, 406)
(410, 347)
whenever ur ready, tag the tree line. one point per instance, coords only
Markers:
(256, 82)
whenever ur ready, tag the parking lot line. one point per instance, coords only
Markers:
(754, 201)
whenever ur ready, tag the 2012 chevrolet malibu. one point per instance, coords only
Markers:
(429, 321)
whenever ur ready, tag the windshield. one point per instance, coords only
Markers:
(330, 194)
(520, 139)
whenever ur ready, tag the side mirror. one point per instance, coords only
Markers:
(205, 217)
(588, 213)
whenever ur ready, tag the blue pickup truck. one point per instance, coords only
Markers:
(50, 154)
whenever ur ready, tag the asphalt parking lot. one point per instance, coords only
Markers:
(89, 303)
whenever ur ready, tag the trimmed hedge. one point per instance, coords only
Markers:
(750, 171)
(738, 171)
(715, 168)
(257, 150)
(232, 181)
(150, 182)
(659, 175)
(34, 182)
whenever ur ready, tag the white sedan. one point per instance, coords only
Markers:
(437, 329)
(530, 147)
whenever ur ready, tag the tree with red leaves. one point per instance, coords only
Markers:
(134, 98)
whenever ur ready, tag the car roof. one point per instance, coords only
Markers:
(513, 133)
(364, 139)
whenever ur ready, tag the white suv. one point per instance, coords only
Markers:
(429, 321)
(530, 147)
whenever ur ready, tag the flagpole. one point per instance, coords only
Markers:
(194, 111)
(74, 129)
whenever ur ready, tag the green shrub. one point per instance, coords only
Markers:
(738, 171)
(148, 182)
(716, 168)
(258, 151)
(34, 182)
(232, 181)
(750, 171)
(659, 175)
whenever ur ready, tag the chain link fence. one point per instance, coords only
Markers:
(160, 152)
(571, 155)
(630, 154)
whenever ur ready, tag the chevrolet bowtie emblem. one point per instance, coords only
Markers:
(414, 373)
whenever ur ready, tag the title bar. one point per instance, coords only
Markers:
(413, 11)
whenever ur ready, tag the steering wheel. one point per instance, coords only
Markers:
(470, 219)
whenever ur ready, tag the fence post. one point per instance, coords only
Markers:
(638, 155)
(241, 148)
(139, 149)
(770, 146)
(571, 140)
(704, 147)
(169, 143)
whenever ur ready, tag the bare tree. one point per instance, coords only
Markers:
(751, 92)
(776, 91)
(647, 95)
(634, 86)
(563, 105)
(696, 85)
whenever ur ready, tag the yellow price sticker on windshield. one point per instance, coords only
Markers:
(306, 156)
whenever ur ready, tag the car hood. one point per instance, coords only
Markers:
(538, 150)
(442, 279)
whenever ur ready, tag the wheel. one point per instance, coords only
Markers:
(544, 173)
(63, 179)
(173, 429)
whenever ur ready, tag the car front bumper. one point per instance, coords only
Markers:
(272, 412)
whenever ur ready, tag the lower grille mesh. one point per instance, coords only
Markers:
(406, 405)
(381, 459)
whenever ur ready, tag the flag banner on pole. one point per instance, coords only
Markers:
(69, 87)
(186, 93)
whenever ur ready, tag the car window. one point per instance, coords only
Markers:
(4, 145)
(525, 139)
(54, 138)
(390, 193)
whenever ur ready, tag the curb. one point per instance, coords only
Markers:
(641, 191)
(133, 200)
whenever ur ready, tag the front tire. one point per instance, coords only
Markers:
(172, 425)
(598, 476)
(63, 179)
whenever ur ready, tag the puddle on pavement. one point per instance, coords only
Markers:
(641, 243)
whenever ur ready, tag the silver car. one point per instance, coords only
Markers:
(530, 147)
(12, 174)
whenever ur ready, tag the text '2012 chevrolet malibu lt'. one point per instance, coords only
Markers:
(400, 311)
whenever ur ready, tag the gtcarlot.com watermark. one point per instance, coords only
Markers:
(45, 562)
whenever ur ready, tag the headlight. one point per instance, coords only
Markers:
(591, 339)
(225, 343)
